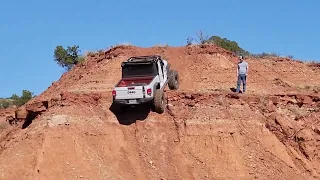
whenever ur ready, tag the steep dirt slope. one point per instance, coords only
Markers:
(210, 68)
(4, 113)
(202, 136)
(207, 132)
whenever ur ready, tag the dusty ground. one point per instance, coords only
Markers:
(207, 132)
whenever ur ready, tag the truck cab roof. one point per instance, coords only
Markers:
(142, 60)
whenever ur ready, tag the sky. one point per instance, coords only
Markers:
(30, 30)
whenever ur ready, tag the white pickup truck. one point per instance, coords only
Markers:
(144, 79)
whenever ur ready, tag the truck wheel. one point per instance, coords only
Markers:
(173, 80)
(159, 101)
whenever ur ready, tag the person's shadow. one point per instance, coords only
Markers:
(234, 90)
(127, 115)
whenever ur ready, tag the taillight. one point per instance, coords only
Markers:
(149, 91)
(114, 93)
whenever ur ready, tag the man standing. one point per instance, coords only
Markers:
(242, 73)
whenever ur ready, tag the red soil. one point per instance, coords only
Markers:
(206, 132)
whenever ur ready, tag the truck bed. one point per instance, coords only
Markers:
(136, 81)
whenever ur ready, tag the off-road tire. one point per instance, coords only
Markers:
(159, 101)
(173, 80)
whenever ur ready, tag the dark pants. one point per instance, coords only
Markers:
(242, 78)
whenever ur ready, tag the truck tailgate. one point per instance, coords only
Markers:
(137, 81)
(133, 92)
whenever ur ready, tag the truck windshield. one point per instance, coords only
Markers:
(137, 70)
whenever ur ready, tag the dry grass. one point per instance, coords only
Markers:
(161, 45)
(314, 64)
(315, 89)
(297, 112)
(123, 44)
(221, 100)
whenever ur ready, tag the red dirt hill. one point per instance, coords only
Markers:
(207, 132)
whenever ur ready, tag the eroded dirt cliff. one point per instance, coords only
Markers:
(207, 131)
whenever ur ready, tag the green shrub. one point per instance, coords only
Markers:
(230, 45)
(67, 58)
(227, 45)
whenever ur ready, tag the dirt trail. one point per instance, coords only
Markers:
(207, 132)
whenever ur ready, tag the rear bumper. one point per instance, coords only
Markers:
(130, 101)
